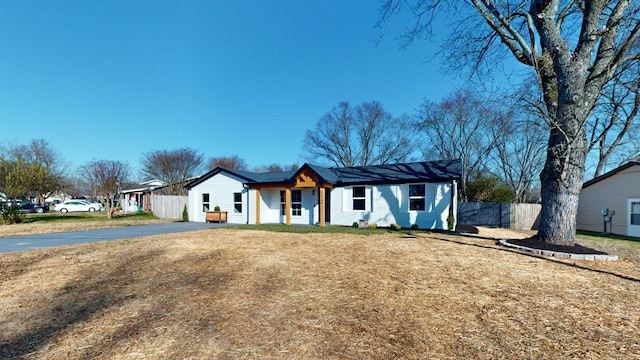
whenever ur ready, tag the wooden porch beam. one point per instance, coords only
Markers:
(257, 206)
(322, 206)
(287, 199)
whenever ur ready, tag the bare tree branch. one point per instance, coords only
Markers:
(362, 135)
(106, 176)
(173, 167)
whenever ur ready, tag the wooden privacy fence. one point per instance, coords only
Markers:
(168, 206)
(503, 215)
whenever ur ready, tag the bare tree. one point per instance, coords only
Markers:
(362, 135)
(456, 128)
(519, 133)
(76, 187)
(519, 151)
(173, 167)
(106, 175)
(229, 162)
(275, 168)
(269, 168)
(612, 128)
(573, 47)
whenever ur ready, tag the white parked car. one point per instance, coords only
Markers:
(79, 205)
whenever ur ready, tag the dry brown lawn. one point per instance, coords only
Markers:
(246, 294)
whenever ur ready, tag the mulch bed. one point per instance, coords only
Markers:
(536, 243)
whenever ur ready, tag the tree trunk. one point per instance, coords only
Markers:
(563, 176)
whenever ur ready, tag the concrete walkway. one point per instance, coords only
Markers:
(30, 242)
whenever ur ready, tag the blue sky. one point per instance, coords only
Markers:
(116, 79)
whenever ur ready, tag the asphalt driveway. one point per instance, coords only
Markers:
(29, 242)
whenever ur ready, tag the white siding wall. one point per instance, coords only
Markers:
(270, 207)
(220, 188)
(611, 193)
(389, 204)
(309, 201)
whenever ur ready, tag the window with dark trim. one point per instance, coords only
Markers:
(296, 202)
(205, 202)
(237, 203)
(417, 197)
(358, 196)
(634, 213)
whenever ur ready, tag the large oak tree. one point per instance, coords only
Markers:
(574, 47)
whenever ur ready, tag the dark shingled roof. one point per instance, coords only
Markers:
(401, 173)
(272, 177)
(425, 171)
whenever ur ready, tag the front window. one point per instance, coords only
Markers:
(359, 197)
(237, 203)
(205, 202)
(635, 213)
(417, 197)
(296, 202)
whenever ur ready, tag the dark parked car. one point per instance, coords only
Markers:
(25, 206)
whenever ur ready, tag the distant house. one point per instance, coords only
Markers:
(422, 193)
(139, 196)
(616, 191)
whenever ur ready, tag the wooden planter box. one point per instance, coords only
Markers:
(217, 216)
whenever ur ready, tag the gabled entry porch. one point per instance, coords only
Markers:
(304, 201)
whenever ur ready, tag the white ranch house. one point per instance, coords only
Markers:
(422, 193)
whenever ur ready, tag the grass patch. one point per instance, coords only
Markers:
(58, 222)
(626, 247)
(593, 235)
(58, 217)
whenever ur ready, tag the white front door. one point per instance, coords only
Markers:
(633, 217)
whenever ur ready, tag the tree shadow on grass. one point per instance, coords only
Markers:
(73, 304)
(95, 291)
(547, 258)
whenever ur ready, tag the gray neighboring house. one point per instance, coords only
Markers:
(612, 198)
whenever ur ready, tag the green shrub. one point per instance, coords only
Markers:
(355, 224)
(216, 208)
(395, 227)
(11, 215)
(185, 214)
(415, 227)
(373, 226)
(451, 220)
